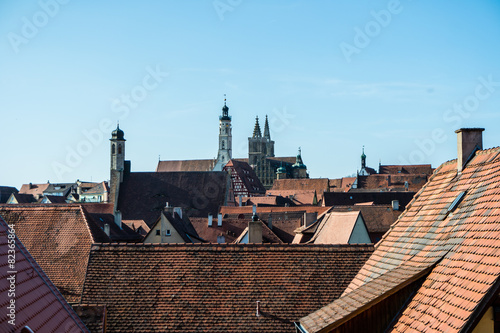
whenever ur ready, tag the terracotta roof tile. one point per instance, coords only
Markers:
(38, 304)
(231, 229)
(186, 165)
(319, 185)
(456, 249)
(59, 238)
(214, 288)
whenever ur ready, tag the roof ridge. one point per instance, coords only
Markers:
(230, 246)
(83, 212)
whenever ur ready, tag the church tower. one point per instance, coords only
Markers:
(117, 161)
(269, 142)
(256, 147)
(224, 153)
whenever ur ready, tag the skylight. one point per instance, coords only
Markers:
(455, 202)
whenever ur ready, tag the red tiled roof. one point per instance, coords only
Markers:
(319, 185)
(59, 238)
(454, 248)
(38, 303)
(425, 169)
(377, 197)
(101, 214)
(231, 229)
(392, 182)
(138, 226)
(246, 175)
(186, 165)
(299, 197)
(35, 189)
(143, 195)
(214, 288)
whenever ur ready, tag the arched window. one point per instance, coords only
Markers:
(119, 149)
(113, 148)
(223, 144)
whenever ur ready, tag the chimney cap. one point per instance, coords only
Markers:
(470, 129)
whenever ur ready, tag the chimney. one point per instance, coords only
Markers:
(309, 218)
(254, 230)
(118, 218)
(219, 220)
(168, 209)
(240, 198)
(105, 194)
(395, 204)
(178, 210)
(78, 187)
(210, 218)
(30, 186)
(468, 141)
(270, 221)
(221, 239)
(106, 229)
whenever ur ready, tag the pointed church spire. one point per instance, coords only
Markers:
(267, 135)
(256, 130)
(363, 159)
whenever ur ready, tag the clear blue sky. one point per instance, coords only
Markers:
(395, 76)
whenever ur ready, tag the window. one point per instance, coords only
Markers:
(158, 232)
(223, 144)
(455, 203)
(167, 232)
(113, 148)
(119, 149)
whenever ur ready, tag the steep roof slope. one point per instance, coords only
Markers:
(449, 236)
(143, 195)
(59, 238)
(38, 303)
(214, 288)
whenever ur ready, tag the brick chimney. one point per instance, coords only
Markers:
(468, 141)
(118, 218)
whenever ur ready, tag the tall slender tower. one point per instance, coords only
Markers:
(269, 142)
(117, 162)
(225, 139)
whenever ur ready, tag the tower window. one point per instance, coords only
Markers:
(113, 148)
(223, 144)
(119, 149)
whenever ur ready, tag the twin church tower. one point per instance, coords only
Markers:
(260, 153)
